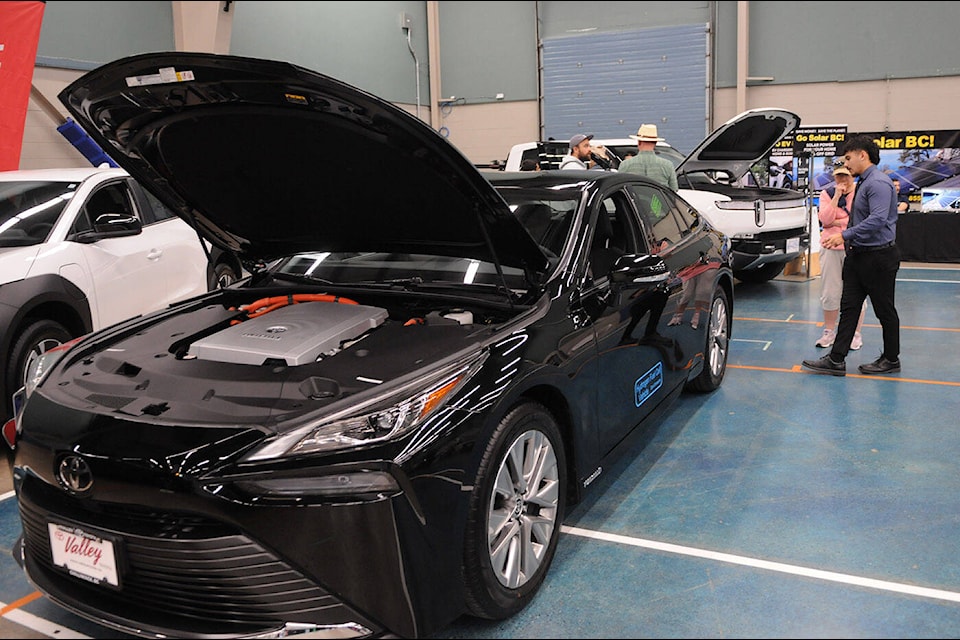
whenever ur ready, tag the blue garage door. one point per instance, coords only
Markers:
(609, 84)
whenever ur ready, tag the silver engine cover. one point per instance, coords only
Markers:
(297, 334)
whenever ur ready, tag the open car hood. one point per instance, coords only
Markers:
(741, 142)
(269, 159)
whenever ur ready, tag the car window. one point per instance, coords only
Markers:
(614, 233)
(623, 222)
(658, 209)
(110, 198)
(158, 210)
(687, 216)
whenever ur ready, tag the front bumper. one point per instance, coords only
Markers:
(195, 566)
(773, 248)
(182, 575)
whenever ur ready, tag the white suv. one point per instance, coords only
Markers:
(768, 227)
(81, 249)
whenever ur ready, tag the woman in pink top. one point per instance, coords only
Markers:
(835, 206)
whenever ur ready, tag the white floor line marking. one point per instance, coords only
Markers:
(766, 343)
(7, 495)
(919, 280)
(819, 574)
(38, 624)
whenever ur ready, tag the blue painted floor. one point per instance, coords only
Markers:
(784, 505)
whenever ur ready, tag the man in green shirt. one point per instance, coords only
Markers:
(647, 162)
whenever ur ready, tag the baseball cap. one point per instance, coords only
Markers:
(841, 169)
(580, 137)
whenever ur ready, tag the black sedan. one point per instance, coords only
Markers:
(381, 427)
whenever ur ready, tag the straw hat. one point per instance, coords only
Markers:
(646, 133)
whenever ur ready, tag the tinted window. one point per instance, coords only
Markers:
(546, 219)
(28, 210)
(111, 198)
(659, 212)
(159, 210)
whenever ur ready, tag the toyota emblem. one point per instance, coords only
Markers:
(75, 474)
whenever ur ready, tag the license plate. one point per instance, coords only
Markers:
(793, 245)
(83, 555)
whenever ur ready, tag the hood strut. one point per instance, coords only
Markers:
(496, 260)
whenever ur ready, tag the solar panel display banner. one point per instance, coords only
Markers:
(19, 36)
(924, 161)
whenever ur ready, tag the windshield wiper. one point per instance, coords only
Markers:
(298, 277)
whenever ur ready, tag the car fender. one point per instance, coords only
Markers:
(552, 388)
(45, 296)
(16, 262)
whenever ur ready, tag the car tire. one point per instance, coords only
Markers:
(765, 273)
(717, 345)
(516, 510)
(223, 275)
(35, 339)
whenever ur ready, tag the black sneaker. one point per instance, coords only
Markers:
(880, 365)
(826, 365)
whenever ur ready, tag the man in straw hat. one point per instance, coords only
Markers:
(647, 162)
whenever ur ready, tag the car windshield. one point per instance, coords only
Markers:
(545, 214)
(401, 270)
(28, 210)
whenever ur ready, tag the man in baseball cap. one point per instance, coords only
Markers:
(579, 156)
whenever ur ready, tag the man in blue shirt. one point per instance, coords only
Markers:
(870, 268)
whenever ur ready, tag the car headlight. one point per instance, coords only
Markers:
(365, 425)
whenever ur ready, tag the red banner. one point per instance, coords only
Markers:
(19, 36)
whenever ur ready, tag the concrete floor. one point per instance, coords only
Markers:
(784, 505)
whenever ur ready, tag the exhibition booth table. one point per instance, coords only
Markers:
(929, 237)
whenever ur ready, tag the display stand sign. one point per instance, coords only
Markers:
(19, 36)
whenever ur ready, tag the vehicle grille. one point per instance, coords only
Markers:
(176, 565)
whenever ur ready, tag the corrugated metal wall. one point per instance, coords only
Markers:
(609, 84)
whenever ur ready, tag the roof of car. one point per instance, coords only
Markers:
(556, 177)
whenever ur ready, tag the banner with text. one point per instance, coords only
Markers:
(19, 37)
(921, 160)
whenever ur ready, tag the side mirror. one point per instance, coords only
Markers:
(111, 225)
(117, 224)
(639, 269)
